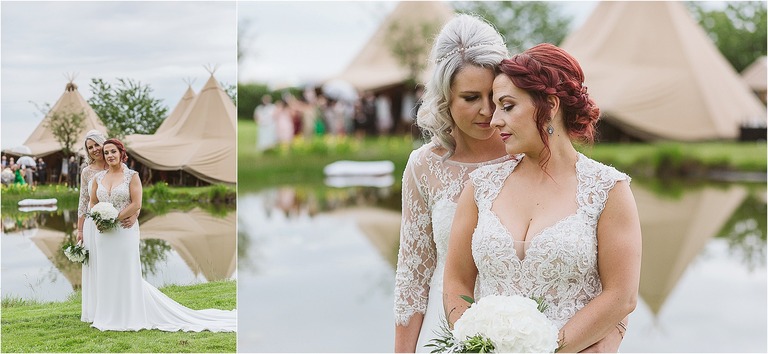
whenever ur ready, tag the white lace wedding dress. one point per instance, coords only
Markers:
(558, 264)
(88, 290)
(125, 301)
(430, 189)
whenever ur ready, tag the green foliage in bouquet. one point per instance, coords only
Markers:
(445, 342)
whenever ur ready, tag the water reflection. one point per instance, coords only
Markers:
(294, 232)
(178, 247)
(675, 230)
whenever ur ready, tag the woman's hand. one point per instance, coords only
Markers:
(126, 223)
(79, 236)
(611, 342)
(460, 271)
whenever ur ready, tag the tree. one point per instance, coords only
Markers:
(739, 30)
(127, 108)
(65, 125)
(230, 90)
(523, 24)
(410, 44)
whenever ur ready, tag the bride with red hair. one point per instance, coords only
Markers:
(125, 301)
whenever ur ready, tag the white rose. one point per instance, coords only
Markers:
(105, 210)
(513, 323)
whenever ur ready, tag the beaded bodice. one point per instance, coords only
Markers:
(560, 262)
(120, 195)
(86, 175)
(431, 186)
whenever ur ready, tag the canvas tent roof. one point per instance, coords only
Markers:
(42, 142)
(202, 142)
(375, 66)
(755, 75)
(178, 112)
(654, 72)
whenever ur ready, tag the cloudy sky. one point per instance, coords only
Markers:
(163, 43)
(290, 43)
(160, 44)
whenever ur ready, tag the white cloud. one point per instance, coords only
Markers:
(304, 41)
(157, 43)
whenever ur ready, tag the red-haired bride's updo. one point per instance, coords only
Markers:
(544, 70)
(120, 147)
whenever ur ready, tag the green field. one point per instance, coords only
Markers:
(28, 326)
(302, 163)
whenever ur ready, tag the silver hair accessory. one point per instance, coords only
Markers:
(96, 136)
(463, 49)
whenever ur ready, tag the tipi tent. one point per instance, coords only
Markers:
(202, 142)
(656, 75)
(178, 112)
(42, 142)
(756, 77)
(375, 66)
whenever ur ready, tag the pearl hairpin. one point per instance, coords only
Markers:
(462, 49)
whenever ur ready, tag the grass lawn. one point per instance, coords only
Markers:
(67, 198)
(302, 163)
(56, 326)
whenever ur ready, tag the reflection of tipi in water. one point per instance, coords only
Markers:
(674, 233)
(380, 226)
(206, 243)
(49, 242)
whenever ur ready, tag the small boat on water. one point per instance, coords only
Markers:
(38, 208)
(37, 202)
(359, 168)
(360, 181)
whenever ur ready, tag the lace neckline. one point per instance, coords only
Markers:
(94, 167)
(467, 164)
(579, 159)
(111, 188)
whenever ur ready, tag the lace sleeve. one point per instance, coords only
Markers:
(596, 182)
(85, 196)
(417, 256)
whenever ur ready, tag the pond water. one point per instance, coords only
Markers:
(177, 247)
(317, 269)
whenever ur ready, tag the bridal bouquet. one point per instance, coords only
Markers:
(75, 253)
(104, 215)
(501, 324)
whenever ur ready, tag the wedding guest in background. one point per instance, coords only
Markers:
(42, 171)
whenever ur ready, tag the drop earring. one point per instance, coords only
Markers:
(550, 128)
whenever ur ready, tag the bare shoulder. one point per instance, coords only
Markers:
(620, 209)
(135, 179)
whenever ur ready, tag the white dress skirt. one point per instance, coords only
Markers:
(88, 287)
(89, 271)
(126, 302)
